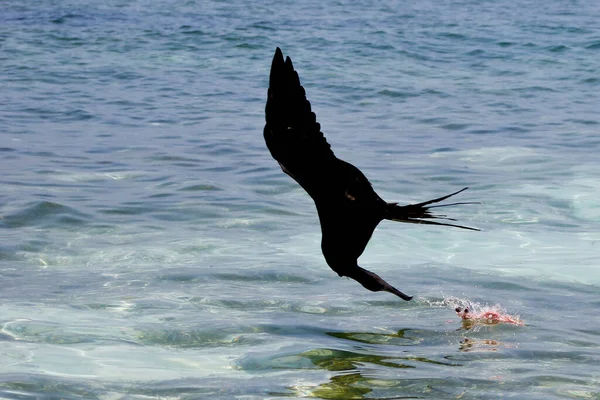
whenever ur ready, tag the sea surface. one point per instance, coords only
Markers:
(151, 248)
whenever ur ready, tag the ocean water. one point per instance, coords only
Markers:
(150, 247)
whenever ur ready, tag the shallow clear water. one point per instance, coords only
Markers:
(150, 247)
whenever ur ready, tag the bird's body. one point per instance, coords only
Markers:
(349, 208)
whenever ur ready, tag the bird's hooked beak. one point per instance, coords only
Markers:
(375, 283)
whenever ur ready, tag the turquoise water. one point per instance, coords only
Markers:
(150, 247)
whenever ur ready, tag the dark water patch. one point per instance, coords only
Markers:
(253, 170)
(264, 25)
(452, 36)
(436, 93)
(200, 188)
(159, 178)
(592, 81)
(445, 150)
(433, 120)
(584, 121)
(8, 253)
(20, 386)
(334, 360)
(189, 30)
(263, 276)
(59, 116)
(125, 104)
(46, 214)
(558, 49)
(250, 46)
(535, 89)
(591, 332)
(220, 169)
(34, 245)
(159, 195)
(401, 338)
(117, 164)
(176, 160)
(26, 386)
(482, 131)
(397, 94)
(128, 76)
(170, 137)
(127, 210)
(189, 276)
(506, 43)
(358, 386)
(105, 150)
(455, 126)
(593, 46)
(193, 337)
(507, 72)
(515, 129)
(68, 17)
(476, 52)
(163, 121)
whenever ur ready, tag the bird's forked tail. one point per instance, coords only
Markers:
(421, 213)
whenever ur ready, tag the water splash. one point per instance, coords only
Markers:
(475, 313)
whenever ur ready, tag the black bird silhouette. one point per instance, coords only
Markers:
(348, 207)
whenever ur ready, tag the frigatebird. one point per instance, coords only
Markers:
(347, 205)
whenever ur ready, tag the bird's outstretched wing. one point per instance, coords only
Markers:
(292, 132)
(348, 207)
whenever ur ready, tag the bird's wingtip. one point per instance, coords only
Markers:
(278, 57)
(277, 66)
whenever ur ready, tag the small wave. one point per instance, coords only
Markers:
(44, 213)
(593, 46)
